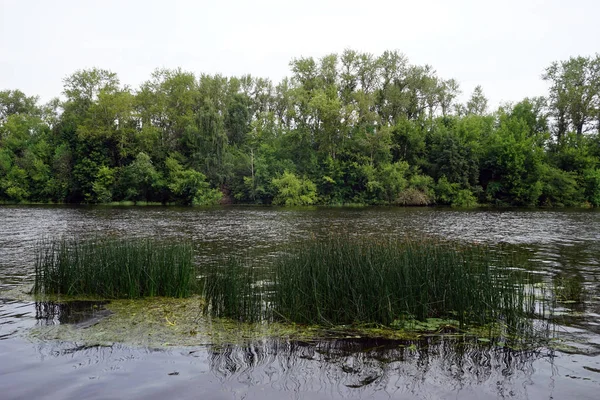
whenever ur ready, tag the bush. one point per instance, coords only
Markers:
(591, 178)
(464, 198)
(560, 188)
(293, 191)
(413, 197)
(445, 192)
(189, 186)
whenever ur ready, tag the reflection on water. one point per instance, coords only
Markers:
(432, 367)
(564, 246)
(272, 369)
(439, 367)
(364, 367)
(81, 313)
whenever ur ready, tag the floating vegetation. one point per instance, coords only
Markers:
(114, 268)
(159, 322)
(393, 283)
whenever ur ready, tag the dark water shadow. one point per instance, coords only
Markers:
(80, 313)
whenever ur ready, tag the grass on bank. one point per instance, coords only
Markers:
(114, 268)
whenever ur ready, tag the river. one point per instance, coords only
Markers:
(561, 244)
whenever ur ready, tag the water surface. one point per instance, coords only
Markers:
(563, 244)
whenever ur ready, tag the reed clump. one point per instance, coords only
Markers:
(343, 280)
(114, 268)
(235, 290)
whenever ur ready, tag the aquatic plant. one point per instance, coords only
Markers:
(337, 280)
(568, 289)
(234, 290)
(114, 268)
(343, 280)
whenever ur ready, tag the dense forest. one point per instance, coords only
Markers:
(350, 128)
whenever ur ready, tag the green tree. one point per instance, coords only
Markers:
(141, 180)
(591, 178)
(294, 191)
(14, 102)
(477, 104)
(512, 164)
(574, 94)
(356, 127)
(189, 186)
(15, 184)
(102, 186)
(560, 188)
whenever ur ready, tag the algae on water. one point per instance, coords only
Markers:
(158, 322)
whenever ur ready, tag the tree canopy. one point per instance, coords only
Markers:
(346, 128)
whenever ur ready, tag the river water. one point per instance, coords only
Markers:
(563, 245)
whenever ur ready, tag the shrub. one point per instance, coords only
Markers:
(293, 191)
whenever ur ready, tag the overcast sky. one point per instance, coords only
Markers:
(502, 45)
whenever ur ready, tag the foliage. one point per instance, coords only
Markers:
(141, 179)
(189, 186)
(464, 198)
(293, 191)
(592, 186)
(413, 197)
(102, 186)
(512, 164)
(574, 94)
(346, 128)
(477, 104)
(14, 184)
(560, 188)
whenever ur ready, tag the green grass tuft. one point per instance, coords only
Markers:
(114, 268)
(234, 291)
(341, 280)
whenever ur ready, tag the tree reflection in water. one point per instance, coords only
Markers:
(363, 367)
(81, 313)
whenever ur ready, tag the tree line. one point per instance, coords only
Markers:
(346, 128)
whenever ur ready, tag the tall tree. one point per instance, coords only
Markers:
(477, 104)
(574, 94)
(16, 102)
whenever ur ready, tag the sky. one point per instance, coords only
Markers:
(504, 46)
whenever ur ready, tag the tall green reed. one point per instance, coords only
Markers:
(342, 280)
(114, 268)
(235, 290)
